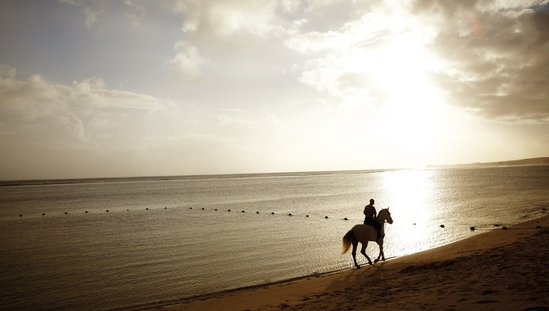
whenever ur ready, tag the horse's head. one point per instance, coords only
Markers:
(385, 215)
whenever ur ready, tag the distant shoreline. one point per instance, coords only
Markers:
(522, 162)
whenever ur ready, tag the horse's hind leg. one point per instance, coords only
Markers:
(355, 244)
(363, 252)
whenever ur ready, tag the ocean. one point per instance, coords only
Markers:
(98, 244)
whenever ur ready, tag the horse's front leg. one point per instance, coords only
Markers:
(381, 253)
(363, 252)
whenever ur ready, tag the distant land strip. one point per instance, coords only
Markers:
(530, 161)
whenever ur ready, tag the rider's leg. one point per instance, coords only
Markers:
(378, 229)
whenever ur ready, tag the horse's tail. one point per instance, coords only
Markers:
(347, 241)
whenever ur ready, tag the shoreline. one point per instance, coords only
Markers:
(474, 273)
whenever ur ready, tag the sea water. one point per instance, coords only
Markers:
(107, 243)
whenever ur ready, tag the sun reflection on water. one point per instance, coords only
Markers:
(410, 194)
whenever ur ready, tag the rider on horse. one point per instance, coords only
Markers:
(370, 217)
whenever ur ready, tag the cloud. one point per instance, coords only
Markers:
(133, 10)
(366, 58)
(90, 13)
(497, 56)
(187, 62)
(226, 18)
(488, 57)
(79, 115)
(88, 129)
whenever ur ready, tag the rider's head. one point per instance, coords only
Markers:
(372, 201)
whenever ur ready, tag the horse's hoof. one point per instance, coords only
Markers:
(358, 267)
(375, 261)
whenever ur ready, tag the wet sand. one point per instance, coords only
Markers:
(497, 270)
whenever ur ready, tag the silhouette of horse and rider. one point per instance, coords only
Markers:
(371, 230)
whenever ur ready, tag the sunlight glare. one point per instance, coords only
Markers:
(394, 75)
(410, 192)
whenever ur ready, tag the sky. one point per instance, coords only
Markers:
(185, 87)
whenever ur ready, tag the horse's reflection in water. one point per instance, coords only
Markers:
(365, 233)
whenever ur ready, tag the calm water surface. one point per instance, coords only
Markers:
(110, 243)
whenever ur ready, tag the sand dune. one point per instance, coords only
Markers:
(497, 270)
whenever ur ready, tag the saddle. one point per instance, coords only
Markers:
(374, 223)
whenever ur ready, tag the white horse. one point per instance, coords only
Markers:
(365, 233)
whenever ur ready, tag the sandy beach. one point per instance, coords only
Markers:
(501, 269)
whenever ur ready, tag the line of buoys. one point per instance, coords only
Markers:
(190, 208)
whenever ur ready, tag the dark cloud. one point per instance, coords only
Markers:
(498, 57)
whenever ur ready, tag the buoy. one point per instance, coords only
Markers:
(325, 217)
(66, 213)
(442, 226)
(43, 214)
(345, 218)
(272, 213)
(147, 209)
(191, 207)
(107, 211)
(228, 210)
(165, 207)
(306, 215)
(20, 215)
(86, 212)
(202, 208)
(257, 212)
(215, 209)
(504, 228)
(290, 214)
(243, 211)
(472, 228)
